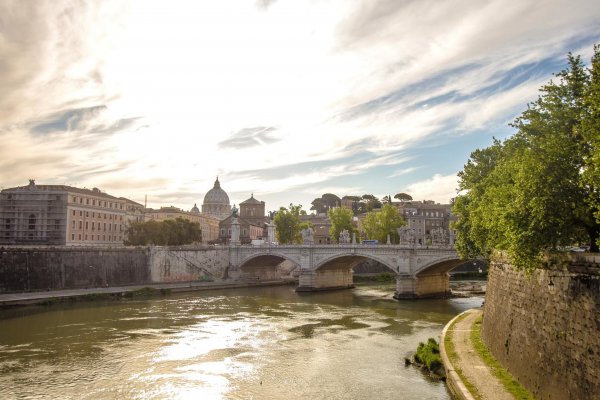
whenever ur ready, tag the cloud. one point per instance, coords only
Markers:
(69, 120)
(440, 188)
(249, 137)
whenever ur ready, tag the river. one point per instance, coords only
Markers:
(255, 343)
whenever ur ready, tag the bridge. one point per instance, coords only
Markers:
(420, 271)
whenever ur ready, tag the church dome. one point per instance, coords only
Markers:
(195, 209)
(216, 195)
(216, 202)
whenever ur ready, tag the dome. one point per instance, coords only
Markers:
(195, 209)
(216, 195)
(216, 202)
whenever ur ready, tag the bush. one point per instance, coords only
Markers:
(429, 355)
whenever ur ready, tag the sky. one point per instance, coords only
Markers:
(283, 99)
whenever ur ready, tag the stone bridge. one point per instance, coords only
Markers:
(420, 272)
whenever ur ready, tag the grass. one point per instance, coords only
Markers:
(507, 380)
(453, 357)
(382, 278)
(429, 355)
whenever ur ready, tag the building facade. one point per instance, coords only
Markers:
(429, 221)
(64, 215)
(252, 220)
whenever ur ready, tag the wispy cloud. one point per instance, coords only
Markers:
(274, 97)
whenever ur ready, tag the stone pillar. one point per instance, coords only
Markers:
(271, 232)
(306, 281)
(405, 287)
(235, 232)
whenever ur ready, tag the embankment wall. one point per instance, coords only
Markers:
(545, 327)
(55, 268)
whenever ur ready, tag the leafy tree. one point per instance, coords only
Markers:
(325, 202)
(341, 218)
(378, 224)
(288, 224)
(537, 190)
(164, 233)
(387, 199)
(358, 206)
(403, 197)
(371, 202)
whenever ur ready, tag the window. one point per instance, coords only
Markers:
(32, 221)
(81, 213)
(87, 213)
(92, 227)
(103, 237)
(73, 224)
(80, 226)
(73, 212)
(80, 236)
(105, 227)
(94, 202)
(87, 201)
(93, 215)
(72, 236)
(74, 199)
(85, 237)
(86, 227)
(80, 202)
(104, 204)
(109, 205)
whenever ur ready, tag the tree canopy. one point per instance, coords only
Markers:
(288, 225)
(539, 189)
(403, 197)
(379, 224)
(170, 232)
(341, 218)
(324, 203)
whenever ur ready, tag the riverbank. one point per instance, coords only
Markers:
(468, 375)
(57, 296)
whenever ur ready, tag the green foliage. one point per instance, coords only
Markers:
(371, 202)
(288, 224)
(341, 218)
(429, 355)
(537, 190)
(326, 202)
(378, 224)
(170, 232)
(403, 197)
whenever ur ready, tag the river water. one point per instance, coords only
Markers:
(255, 343)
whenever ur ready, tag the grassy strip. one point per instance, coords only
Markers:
(453, 357)
(507, 380)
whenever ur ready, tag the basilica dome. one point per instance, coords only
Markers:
(216, 202)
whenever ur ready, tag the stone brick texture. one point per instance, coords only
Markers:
(71, 268)
(544, 326)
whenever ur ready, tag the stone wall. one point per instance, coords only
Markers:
(184, 265)
(545, 328)
(30, 269)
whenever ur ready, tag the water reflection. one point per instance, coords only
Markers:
(238, 344)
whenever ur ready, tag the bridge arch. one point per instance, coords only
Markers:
(349, 261)
(439, 266)
(264, 266)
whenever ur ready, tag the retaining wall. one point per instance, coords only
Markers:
(545, 328)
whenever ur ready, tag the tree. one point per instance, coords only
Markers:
(536, 191)
(171, 232)
(403, 197)
(358, 206)
(288, 224)
(341, 218)
(371, 202)
(387, 199)
(325, 202)
(379, 224)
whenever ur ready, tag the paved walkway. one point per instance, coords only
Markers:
(24, 298)
(471, 364)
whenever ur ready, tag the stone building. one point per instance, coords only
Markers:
(208, 224)
(64, 215)
(427, 219)
(252, 220)
(216, 202)
(321, 225)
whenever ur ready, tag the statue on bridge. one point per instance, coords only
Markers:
(344, 237)
(307, 235)
(438, 236)
(407, 235)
